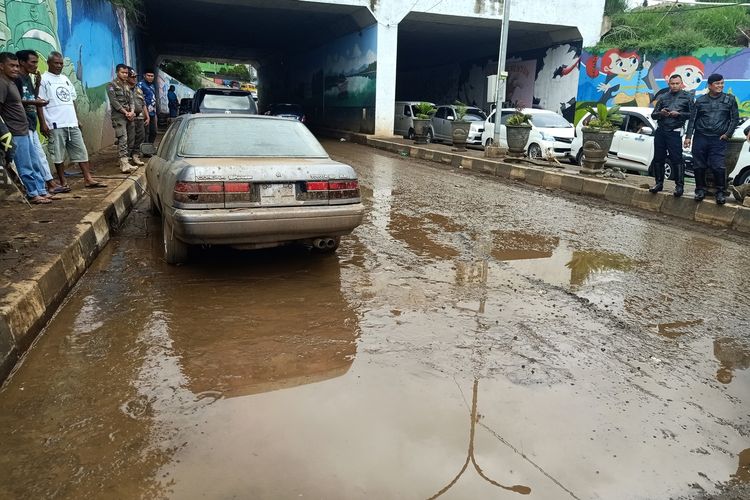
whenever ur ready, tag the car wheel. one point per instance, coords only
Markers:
(743, 178)
(175, 251)
(430, 136)
(579, 158)
(488, 142)
(153, 208)
(410, 134)
(668, 171)
(535, 151)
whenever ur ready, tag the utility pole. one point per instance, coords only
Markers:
(501, 74)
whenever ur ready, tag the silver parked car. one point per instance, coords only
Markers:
(249, 181)
(441, 128)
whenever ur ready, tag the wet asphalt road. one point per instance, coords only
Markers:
(473, 339)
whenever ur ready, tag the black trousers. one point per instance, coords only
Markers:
(151, 130)
(668, 141)
(709, 153)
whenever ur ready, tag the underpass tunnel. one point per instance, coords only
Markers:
(346, 63)
(443, 59)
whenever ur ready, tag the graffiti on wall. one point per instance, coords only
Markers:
(93, 37)
(519, 87)
(633, 78)
(163, 81)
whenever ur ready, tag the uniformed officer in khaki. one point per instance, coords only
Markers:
(141, 119)
(121, 109)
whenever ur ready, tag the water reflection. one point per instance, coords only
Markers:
(584, 263)
(675, 329)
(470, 457)
(421, 238)
(732, 355)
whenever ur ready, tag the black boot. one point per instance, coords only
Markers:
(699, 194)
(700, 183)
(720, 197)
(658, 177)
(678, 190)
(679, 180)
(656, 188)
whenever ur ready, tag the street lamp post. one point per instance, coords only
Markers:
(501, 74)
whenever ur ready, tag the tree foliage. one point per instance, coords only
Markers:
(133, 8)
(188, 72)
(678, 28)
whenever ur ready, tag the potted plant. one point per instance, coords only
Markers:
(460, 127)
(517, 130)
(424, 112)
(598, 134)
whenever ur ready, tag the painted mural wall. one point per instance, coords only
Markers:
(632, 78)
(544, 78)
(163, 81)
(334, 82)
(92, 35)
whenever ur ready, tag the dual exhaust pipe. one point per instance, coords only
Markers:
(324, 243)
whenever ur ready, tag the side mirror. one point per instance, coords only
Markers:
(148, 149)
(647, 131)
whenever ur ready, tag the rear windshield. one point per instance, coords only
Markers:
(475, 116)
(231, 102)
(281, 109)
(549, 120)
(233, 137)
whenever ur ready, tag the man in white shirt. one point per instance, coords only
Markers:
(59, 121)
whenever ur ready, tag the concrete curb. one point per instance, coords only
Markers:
(31, 303)
(730, 216)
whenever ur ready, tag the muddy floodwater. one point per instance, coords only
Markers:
(473, 339)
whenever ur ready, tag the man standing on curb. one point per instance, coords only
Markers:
(28, 85)
(14, 116)
(149, 95)
(140, 124)
(121, 109)
(59, 122)
(715, 116)
(672, 110)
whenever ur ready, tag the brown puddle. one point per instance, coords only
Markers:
(675, 329)
(517, 245)
(732, 355)
(743, 469)
(584, 263)
(419, 237)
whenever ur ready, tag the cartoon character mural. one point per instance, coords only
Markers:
(29, 25)
(622, 82)
(618, 77)
(556, 83)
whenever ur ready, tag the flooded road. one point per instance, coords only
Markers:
(472, 339)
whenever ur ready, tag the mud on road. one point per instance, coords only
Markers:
(472, 339)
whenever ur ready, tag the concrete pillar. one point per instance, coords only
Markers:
(385, 84)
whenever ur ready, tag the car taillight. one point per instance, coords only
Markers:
(302, 119)
(328, 190)
(213, 193)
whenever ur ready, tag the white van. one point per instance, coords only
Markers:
(403, 116)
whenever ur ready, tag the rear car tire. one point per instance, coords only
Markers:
(410, 134)
(743, 178)
(175, 251)
(430, 136)
(535, 151)
(579, 158)
(488, 143)
(153, 208)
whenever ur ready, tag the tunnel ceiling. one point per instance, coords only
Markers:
(245, 30)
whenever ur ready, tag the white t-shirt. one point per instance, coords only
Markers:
(60, 93)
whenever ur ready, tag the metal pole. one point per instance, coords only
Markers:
(501, 74)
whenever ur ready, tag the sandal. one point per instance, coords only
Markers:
(96, 184)
(60, 189)
(51, 197)
(39, 200)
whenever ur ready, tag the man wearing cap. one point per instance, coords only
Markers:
(712, 123)
(672, 110)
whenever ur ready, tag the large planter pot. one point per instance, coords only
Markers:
(517, 136)
(421, 130)
(596, 145)
(460, 132)
(734, 148)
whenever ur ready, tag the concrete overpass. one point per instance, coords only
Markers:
(347, 61)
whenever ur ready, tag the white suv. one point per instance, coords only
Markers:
(549, 132)
(633, 144)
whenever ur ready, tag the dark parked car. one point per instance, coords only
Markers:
(287, 111)
(186, 103)
(227, 101)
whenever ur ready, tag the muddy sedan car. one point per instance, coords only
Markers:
(249, 181)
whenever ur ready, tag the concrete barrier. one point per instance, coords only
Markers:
(31, 303)
(707, 212)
